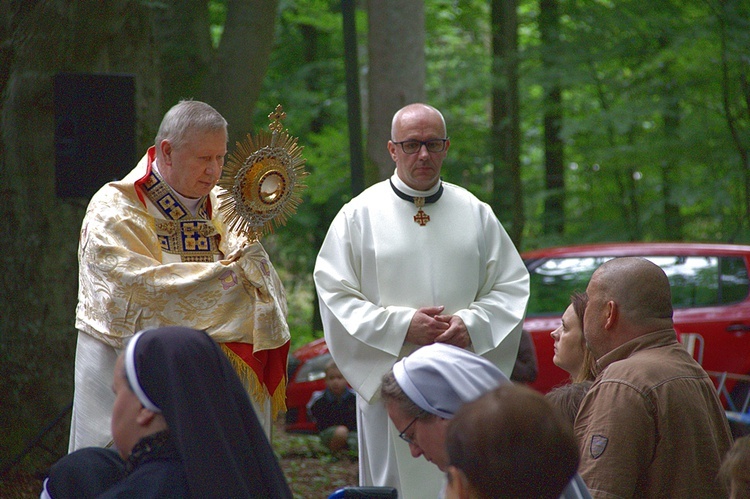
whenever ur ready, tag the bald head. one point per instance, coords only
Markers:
(628, 297)
(640, 287)
(416, 111)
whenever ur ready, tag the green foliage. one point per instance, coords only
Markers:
(458, 82)
(299, 445)
(217, 11)
(306, 76)
(642, 113)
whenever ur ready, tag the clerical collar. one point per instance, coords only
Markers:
(407, 194)
(419, 198)
(399, 185)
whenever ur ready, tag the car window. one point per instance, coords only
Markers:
(314, 369)
(553, 281)
(697, 281)
(734, 280)
(694, 280)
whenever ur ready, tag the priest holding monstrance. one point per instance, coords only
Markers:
(177, 242)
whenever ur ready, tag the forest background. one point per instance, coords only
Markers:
(577, 120)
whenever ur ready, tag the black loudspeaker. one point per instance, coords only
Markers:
(94, 131)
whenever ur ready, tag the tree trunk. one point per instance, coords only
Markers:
(181, 30)
(230, 78)
(505, 146)
(670, 167)
(553, 219)
(239, 68)
(39, 258)
(396, 76)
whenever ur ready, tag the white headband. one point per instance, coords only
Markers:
(133, 376)
(439, 378)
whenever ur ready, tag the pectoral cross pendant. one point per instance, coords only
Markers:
(421, 217)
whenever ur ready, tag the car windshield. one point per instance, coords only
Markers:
(697, 281)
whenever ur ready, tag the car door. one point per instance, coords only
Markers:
(712, 309)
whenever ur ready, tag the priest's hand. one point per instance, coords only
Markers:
(234, 255)
(425, 327)
(239, 252)
(456, 334)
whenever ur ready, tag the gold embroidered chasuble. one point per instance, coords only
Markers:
(146, 261)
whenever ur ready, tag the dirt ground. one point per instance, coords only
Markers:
(311, 471)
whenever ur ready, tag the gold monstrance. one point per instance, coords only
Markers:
(262, 180)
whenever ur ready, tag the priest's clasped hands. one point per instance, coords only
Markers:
(429, 326)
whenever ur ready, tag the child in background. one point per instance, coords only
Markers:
(334, 411)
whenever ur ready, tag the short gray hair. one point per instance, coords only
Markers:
(187, 116)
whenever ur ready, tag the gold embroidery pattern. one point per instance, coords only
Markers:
(194, 239)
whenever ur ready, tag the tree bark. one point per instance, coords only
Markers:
(39, 258)
(553, 219)
(237, 74)
(673, 220)
(396, 76)
(181, 30)
(505, 139)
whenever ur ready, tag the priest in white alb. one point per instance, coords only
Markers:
(409, 262)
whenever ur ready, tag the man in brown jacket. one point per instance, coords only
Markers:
(651, 425)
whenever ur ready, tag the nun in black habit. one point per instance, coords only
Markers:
(183, 425)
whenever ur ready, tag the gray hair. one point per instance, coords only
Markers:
(391, 391)
(185, 117)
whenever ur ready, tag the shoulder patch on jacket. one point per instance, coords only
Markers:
(598, 445)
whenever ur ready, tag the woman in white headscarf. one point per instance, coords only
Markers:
(424, 391)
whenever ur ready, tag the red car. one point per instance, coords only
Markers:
(710, 295)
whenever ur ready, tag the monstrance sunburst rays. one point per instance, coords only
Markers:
(262, 180)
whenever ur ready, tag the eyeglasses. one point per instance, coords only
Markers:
(403, 436)
(414, 146)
